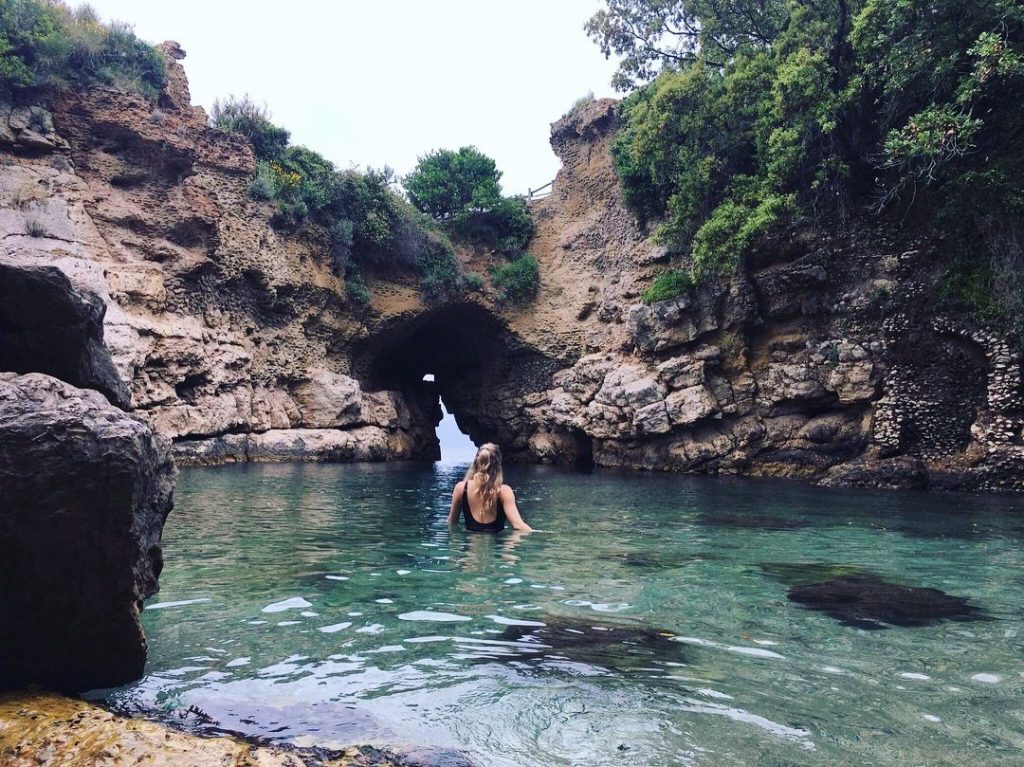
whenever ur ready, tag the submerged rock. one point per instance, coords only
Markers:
(605, 644)
(84, 492)
(868, 602)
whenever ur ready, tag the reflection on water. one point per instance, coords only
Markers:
(652, 626)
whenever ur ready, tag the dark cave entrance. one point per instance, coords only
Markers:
(480, 370)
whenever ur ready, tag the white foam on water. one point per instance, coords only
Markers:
(403, 572)
(334, 628)
(931, 717)
(385, 601)
(987, 678)
(430, 615)
(373, 628)
(915, 675)
(756, 652)
(425, 640)
(336, 577)
(739, 715)
(255, 623)
(707, 692)
(292, 603)
(179, 603)
(513, 621)
(513, 581)
(237, 662)
(308, 614)
(288, 623)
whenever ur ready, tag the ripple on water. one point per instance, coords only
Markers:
(567, 673)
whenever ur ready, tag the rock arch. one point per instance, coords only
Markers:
(486, 374)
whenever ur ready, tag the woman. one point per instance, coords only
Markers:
(484, 501)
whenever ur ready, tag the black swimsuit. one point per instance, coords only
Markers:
(479, 527)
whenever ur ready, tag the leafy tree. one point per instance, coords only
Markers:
(750, 112)
(447, 183)
(653, 36)
(462, 191)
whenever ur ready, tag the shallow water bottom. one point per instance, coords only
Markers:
(651, 624)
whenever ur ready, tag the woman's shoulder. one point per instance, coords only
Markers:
(505, 489)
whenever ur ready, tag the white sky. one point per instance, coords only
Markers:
(375, 82)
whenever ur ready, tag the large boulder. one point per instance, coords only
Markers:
(84, 491)
(49, 326)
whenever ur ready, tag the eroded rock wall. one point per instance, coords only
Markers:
(217, 324)
(821, 358)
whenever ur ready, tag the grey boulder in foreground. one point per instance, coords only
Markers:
(84, 492)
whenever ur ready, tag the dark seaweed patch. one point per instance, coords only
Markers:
(868, 602)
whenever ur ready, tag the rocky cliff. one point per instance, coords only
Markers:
(822, 358)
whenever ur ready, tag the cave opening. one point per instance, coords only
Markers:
(465, 357)
(455, 445)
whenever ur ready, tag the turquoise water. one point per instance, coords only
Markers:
(650, 626)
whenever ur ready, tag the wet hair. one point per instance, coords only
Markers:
(486, 470)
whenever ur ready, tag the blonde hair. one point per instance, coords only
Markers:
(486, 470)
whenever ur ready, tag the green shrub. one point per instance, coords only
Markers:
(45, 46)
(474, 281)
(252, 120)
(356, 290)
(264, 183)
(670, 284)
(461, 191)
(517, 281)
(440, 272)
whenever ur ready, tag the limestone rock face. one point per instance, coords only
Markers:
(236, 340)
(84, 491)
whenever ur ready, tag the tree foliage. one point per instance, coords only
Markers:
(462, 191)
(367, 223)
(45, 46)
(751, 112)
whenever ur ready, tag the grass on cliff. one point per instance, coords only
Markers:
(757, 112)
(45, 47)
(366, 223)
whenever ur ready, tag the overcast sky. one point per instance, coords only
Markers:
(380, 82)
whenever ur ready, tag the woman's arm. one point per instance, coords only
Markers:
(453, 512)
(508, 503)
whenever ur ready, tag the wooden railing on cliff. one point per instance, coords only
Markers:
(532, 195)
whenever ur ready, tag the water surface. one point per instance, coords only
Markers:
(651, 626)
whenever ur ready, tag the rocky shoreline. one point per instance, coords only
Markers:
(46, 730)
